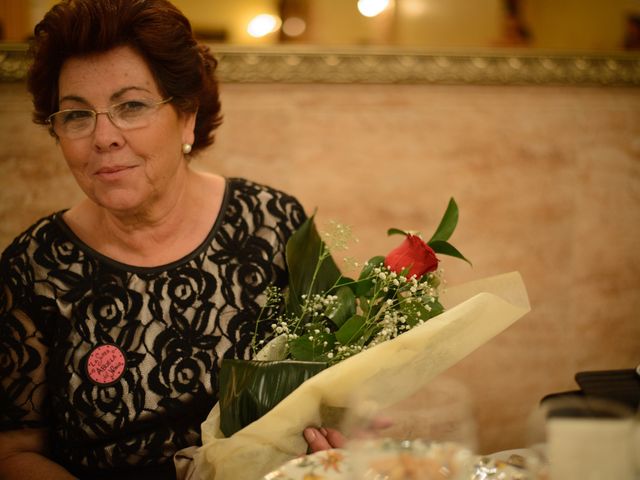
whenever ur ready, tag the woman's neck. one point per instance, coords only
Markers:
(164, 230)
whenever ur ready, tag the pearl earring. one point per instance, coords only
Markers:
(186, 148)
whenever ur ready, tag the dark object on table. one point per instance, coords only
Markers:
(620, 386)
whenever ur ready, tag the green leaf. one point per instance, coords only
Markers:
(249, 389)
(365, 280)
(367, 270)
(396, 231)
(445, 248)
(345, 281)
(362, 287)
(364, 304)
(301, 348)
(351, 330)
(345, 307)
(447, 224)
(308, 273)
(416, 311)
(305, 349)
(436, 309)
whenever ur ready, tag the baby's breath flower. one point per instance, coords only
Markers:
(386, 301)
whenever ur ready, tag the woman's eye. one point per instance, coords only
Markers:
(76, 115)
(132, 106)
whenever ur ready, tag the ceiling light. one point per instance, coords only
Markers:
(371, 8)
(262, 25)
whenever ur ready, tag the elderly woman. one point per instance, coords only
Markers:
(115, 313)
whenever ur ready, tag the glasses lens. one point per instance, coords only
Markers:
(78, 123)
(132, 113)
(73, 123)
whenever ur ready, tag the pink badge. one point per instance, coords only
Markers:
(105, 364)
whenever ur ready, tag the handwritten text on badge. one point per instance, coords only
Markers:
(105, 364)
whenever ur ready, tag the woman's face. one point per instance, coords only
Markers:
(124, 171)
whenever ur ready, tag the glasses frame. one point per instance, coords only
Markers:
(95, 114)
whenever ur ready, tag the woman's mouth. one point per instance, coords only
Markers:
(114, 172)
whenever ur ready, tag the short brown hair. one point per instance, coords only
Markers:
(183, 68)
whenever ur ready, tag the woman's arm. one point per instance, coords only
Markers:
(22, 457)
(23, 451)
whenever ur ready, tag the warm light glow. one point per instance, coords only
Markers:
(294, 26)
(262, 25)
(371, 8)
(415, 8)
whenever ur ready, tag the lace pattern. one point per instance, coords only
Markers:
(60, 300)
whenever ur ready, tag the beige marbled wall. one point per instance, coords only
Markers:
(547, 180)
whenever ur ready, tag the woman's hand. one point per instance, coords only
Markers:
(22, 457)
(323, 438)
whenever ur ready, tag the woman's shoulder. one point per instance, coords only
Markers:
(36, 247)
(245, 186)
(249, 197)
(45, 230)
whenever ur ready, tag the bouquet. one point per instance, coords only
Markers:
(325, 316)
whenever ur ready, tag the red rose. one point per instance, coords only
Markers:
(414, 254)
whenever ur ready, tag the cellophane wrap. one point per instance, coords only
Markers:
(475, 313)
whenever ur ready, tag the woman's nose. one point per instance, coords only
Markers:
(106, 135)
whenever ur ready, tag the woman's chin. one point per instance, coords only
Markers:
(120, 202)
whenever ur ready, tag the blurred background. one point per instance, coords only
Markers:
(546, 174)
(580, 25)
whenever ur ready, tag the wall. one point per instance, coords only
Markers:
(547, 180)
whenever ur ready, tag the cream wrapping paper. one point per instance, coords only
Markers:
(476, 312)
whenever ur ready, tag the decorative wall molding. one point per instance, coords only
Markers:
(360, 65)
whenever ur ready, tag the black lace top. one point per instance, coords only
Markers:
(120, 363)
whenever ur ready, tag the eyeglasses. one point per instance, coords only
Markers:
(77, 123)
